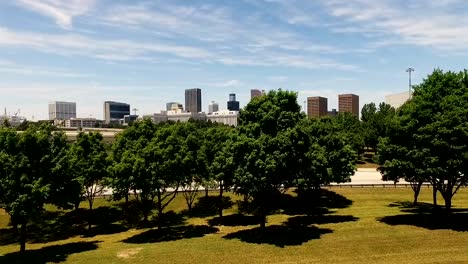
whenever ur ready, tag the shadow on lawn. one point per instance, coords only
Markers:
(234, 220)
(279, 235)
(427, 216)
(314, 202)
(171, 234)
(55, 254)
(208, 206)
(305, 220)
(60, 225)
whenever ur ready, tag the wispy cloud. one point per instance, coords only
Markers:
(436, 24)
(62, 11)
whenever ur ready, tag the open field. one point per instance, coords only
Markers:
(365, 225)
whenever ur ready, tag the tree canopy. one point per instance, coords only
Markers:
(430, 134)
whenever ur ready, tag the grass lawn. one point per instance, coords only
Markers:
(376, 228)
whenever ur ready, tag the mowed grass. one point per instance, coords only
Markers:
(373, 229)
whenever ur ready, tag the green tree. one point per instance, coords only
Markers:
(88, 164)
(329, 158)
(435, 123)
(218, 168)
(268, 149)
(376, 122)
(26, 164)
(124, 151)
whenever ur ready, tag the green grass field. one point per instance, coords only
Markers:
(376, 227)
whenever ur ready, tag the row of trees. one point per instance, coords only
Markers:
(275, 147)
(427, 140)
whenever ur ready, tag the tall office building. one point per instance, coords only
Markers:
(115, 111)
(193, 100)
(397, 100)
(232, 104)
(317, 106)
(348, 103)
(213, 107)
(255, 93)
(62, 110)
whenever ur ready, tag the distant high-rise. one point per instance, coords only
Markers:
(317, 106)
(115, 111)
(193, 102)
(348, 103)
(213, 107)
(62, 110)
(232, 104)
(255, 93)
(397, 100)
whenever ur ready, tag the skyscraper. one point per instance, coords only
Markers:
(232, 104)
(317, 106)
(213, 107)
(348, 103)
(193, 100)
(255, 93)
(62, 110)
(115, 111)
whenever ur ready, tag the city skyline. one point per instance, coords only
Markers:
(147, 53)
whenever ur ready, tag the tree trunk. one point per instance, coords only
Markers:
(220, 202)
(77, 206)
(416, 190)
(262, 220)
(448, 203)
(206, 191)
(434, 195)
(145, 215)
(90, 213)
(23, 238)
(160, 211)
(126, 199)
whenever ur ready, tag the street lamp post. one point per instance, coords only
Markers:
(409, 71)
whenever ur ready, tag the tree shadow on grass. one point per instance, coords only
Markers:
(305, 220)
(313, 202)
(427, 216)
(279, 235)
(169, 218)
(208, 206)
(60, 225)
(171, 234)
(55, 254)
(234, 220)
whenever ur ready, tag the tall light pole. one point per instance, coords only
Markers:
(409, 71)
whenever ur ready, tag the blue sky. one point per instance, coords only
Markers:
(148, 52)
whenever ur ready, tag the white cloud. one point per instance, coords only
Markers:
(231, 83)
(62, 11)
(441, 25)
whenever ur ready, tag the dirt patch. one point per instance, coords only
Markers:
(128, 253)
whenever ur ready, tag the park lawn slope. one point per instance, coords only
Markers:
(376, 228)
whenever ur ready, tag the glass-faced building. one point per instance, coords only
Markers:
(115, 111)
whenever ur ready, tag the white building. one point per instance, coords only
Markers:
(62, 110)
(213, 107)
(398, 99)
(80, 122)
(226, 117)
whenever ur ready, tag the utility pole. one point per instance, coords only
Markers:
(409, 71)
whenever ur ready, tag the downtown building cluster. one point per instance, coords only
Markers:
(318, 106)
(64, 113)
